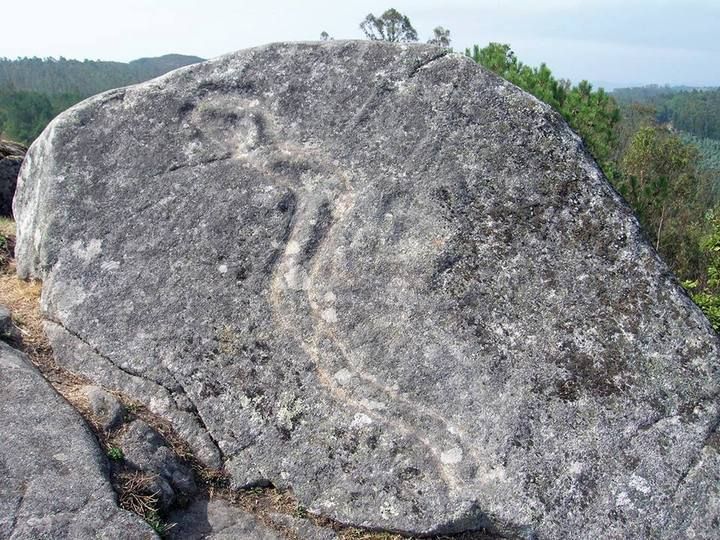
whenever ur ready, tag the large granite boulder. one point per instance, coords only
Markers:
(54, 475)
(11, 157)
(382, 276)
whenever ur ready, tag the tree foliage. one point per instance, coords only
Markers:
(706, 291)
(34, 90)
(86, 78)
(696, 111)
(593, 114)
(661, 182)
(23, 115)
(390, 26)
(441, 37)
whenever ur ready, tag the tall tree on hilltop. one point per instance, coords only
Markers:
(441, 37)
(661, 182)
(390, 26)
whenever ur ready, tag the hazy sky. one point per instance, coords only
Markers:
(613, 41)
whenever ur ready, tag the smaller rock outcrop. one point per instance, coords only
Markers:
(8, 330)
(303, 528)
(11, 158)
(147, 451)
(54, 475)
(215, 519)
(105, 408)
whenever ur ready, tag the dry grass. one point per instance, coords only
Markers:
(7, 227)
(135, 492)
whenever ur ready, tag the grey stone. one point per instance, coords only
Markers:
(11, 158)
(215, 519)
(8, 330)
(106, 408)
(145, 449)
(11, 148)
(303, 528)
(384, 277)
(54, 475)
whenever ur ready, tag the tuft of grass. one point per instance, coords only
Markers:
(158, 524)
(115, 453)
(7, 227)
(136, 494)
(300, 512)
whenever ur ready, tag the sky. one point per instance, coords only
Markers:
(610, 42)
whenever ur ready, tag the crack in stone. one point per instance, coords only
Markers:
(695, 461)
(190, 165)
(194, 412)
(414, 71)
(13, 525)
(94, 349)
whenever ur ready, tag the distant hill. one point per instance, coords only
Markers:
(84, 78)
(694, 110)
(651, 92)
(34, 90)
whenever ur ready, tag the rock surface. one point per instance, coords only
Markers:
(215, 519)
(146, 450)
(11, 158)
(302, 528)
(105, 408)
(54, 476)
(386, 278)
(8, 330)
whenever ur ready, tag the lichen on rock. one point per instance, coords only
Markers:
(383, 277)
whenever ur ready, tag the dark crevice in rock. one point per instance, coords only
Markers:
(712, 430)
(178, 390)
(426, 63)
(323, 223)
(287, 206)
(94, 349)
(17, 509)
(189, 165)
(196, 414)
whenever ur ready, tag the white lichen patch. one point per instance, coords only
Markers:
(295, 278)
(289, 411)
(640, 484)
(373, 405)
(329, 315)
(452, 456)
(89, 252)
(623, 499)
(388, 509)
(361, 420)
(293, 248)
(343, 376)
(110, 265)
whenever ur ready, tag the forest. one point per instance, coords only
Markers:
(34, 90)
(659, 146)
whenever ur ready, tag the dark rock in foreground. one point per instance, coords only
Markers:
(215, 519)
(146, 450)
(386, 278)
(11, 158)
(53, 475)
